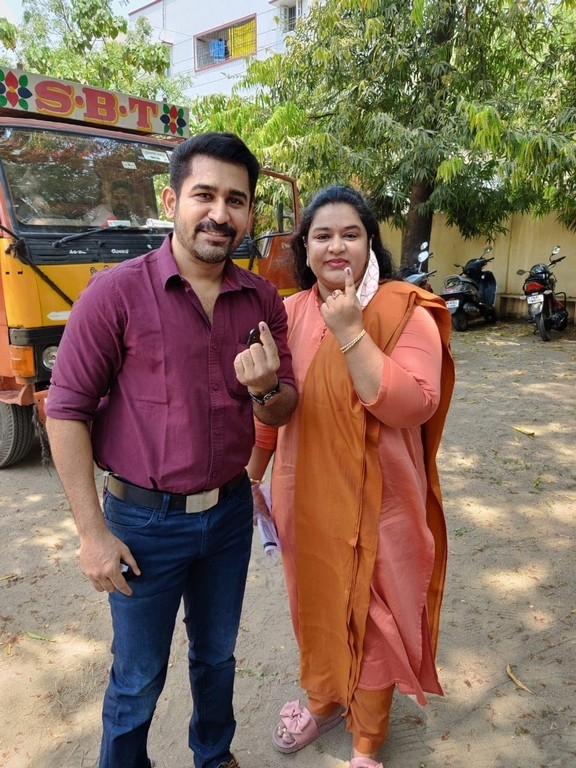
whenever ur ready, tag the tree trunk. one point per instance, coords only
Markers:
(418, 227)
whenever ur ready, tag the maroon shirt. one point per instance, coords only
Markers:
(140, 360)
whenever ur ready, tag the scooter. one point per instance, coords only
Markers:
(472, 293)
(546, 307)
(415, 273)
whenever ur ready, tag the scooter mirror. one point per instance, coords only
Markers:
(520, 271)
(488, 249)
(424, 245)
(555, 250)
(422, 256)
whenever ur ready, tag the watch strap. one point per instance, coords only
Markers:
(263, 399)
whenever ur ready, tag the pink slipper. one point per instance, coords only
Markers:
(364, 762)
(297, 721)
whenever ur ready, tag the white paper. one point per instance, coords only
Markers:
(266, 527)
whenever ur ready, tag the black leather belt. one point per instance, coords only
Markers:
(144, 497)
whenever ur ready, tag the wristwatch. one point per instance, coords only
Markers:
(263, 399)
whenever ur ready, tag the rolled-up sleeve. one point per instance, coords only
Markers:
(266, 435)
(89, 354)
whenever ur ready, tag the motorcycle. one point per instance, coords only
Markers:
(415, 273)
(472, 293)
(546, 307)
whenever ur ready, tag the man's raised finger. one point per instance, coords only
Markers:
(266, 338)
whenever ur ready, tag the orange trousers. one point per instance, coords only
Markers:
(367, 719)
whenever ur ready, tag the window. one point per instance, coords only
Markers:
(232, 42)
(290, 18)
(289, 13)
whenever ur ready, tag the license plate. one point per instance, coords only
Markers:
(452, 303)
(535, 298)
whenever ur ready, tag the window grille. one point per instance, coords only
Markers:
(290, 15)
(231, 42)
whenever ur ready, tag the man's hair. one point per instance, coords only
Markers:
(221, 146)
(121, 184)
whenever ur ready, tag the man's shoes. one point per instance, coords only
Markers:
(230, 764)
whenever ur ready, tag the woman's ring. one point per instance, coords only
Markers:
(336, 293)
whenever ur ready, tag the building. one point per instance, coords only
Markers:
(211, 42)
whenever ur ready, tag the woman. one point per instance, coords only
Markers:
(355, 492)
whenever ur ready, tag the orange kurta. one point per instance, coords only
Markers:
(356, 499)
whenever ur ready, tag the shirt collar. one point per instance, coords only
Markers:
(166, 262)
(235, 278)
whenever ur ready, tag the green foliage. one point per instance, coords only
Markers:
(84, 41)
(8, 34)
(473, 101)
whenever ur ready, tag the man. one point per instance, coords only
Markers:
(121, 205)
(30, 204)
(121, 199)
(155, 382)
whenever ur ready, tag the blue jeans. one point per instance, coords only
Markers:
(202, 558)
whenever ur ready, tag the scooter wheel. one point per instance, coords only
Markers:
(491, 316)
(459, 321)
(542, 326)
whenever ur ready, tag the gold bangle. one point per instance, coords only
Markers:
(348, 347)
(255, 482)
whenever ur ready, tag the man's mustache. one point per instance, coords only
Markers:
(220, 229)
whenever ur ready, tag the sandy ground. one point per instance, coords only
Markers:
(509, 478)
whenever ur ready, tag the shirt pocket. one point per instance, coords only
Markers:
(144, 368)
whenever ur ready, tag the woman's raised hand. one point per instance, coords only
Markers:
(342, 312)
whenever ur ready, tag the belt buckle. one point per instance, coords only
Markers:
(200, 502)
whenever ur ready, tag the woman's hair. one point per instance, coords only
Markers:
(338, 193)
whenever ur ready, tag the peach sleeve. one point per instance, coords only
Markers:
(409, 392)
(265, 435)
